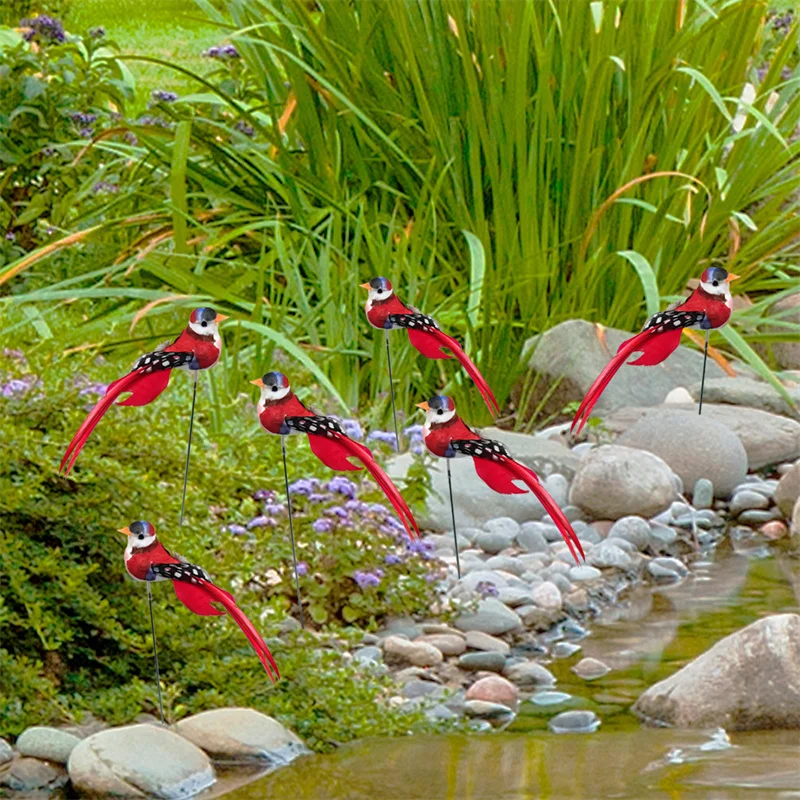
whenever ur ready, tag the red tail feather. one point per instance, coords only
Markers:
(499, 476)
(335, 453)
(217, 595)
(654, 346)
(430, 342)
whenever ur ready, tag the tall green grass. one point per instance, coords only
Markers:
(509, 164)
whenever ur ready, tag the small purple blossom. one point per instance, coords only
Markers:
(18, 386)
(303, 486)
(392, 558)
(302, 568)
(16, 355)
(222, 52)
(105, 187)
(352, 427)
(83, 119)
(342, 485)
(274, 508)
(237, 530)
(322, 525)
(246, 129)
(261, 522)
(316, 497)
(363, 578)
(130, 138)
(98, 389)
(263, 494)
(336, 511)
(356, 506)
(153, 121)
(11, 236)
(163, 96)
(486, 589)
(423, 549)
(413, 431)
(44, 29)
(385, 437)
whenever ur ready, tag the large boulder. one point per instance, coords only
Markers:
(787, 354)
(614, 481)
(50, 744)
(242, 734)
(788, 490)
(749, 680)
(139, 760)
(744, 391)
(694, 447)
(767, 438)
(574, 353)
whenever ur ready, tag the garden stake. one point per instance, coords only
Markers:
(448, 436)
(198, 347)
(391, 387)
(291, 532)
(703, 379)
(453, 515)
(146, 559)
(386, 312)
(155, 652)
(188, 450)
(708, 307)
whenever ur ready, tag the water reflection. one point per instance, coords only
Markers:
(650, 636)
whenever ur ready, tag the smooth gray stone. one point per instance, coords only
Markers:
(531, 537)
(703, 494)
(369, 654)
(49, 744)
(574, 722)
(756, 517)
(488, 661)
(584, 573)
(670, 568)
(746, 499)
(491, 617)
(591, 669)
(635, 530)
(528, 674)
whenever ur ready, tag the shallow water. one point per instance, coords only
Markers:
(649, 636)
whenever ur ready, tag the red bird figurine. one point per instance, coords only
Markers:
(708, 307)
(198, 347)
(386, 312)
(280, 411)
(146, 559)
(447, 436)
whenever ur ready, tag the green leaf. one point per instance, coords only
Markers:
(349, 614)
(709, 88)
(619, 62)
(177, 182)
(647, 278)
(477, 259)
(318, 613)
(32, 87)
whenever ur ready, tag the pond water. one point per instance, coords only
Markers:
(646, 638)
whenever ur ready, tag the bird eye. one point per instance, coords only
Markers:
(440, 411)
(204, 324)
(715, 283)
(274, 388)
(141, 536)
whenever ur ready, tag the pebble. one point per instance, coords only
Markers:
(49, 744)
(440, 713)
(632, 529)
(368, 655)
(565, 649)
(584, 573)
(478, 640)
(774, 529)
(531, 538)
(505, 564)
(558, 487)
(487, 660)
(703, 494)
(763, 487)
(31, 775)
(491, 617)
(547, 596)
(574, 722)
(447, 644)
(756, 516)
(788, 489)
(6, 751)
(420, 688)
(420, 654)
(494, 689)
(470, 534)
(590, 669)
(528, 674)
(562, 583)
(483, 708)
(671, 568)
(623, 544)
(609, 555)
(550, 698)
(493, 542)
(747, 499)
(513, 596)
(483, 576)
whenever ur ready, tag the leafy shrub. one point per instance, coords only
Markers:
(13, 11)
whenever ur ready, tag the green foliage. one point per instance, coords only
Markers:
(12, 11)
(75, 629)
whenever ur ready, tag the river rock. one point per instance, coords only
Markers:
(703, 494)
(547, 596)
(49, 744)
(584, 573)
(138, 760)
(573, 353)
(478, 576)
(747, 392)
(32, 776)
(788, 490)
(591, 669)
(787, 354)
(614, 481)
(531, 538)
(400, 651)
(242, 734)
(488, 661)
(478, 640)
(368, 655)
(794, 528)
(749, 680)
(694, 447)
(494, 689)
(670, 568)
(635, 530)
(607, 554)
(529, 674)
(448, 644)
(574, 722)
(505, 564)
(491, 617)
(491, 711)
(6, 751)
(513, 596)
(746, 500)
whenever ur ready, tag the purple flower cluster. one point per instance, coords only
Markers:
(105, 187)
(262, 521)
(43, 29)
(365, 578)
(486, 589)
(423, 549)
(415, 438)
(17, 387)
(303, 486)
(392, 558)
(15, 355)
(783, 22)
(302, 568)
(11, 236)
(385, 437)
(95, 389)
(342, 485)
(237, 530)
(264, 494)
(352, 427)
(163, 96)
(245, 128)
(152, 121)
(322, 525)
(223, 52)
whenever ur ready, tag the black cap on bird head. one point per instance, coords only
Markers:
(380, 287)
(205, 317)
(272, 382)
(441, 404)
(139, 531)
(717, 277)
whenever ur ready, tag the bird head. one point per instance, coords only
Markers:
(204, 321)
(438, 410)
(274, 386)
(140, 534)
(716, 280)
(379, 289)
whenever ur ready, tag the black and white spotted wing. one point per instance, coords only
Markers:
(479, 448)
(672, 319)
(414, 321)
(161, 360)
(189, 573)
(317, 425)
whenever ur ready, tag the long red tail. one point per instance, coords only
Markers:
(335, 452)
(430, 342)
(499, 476)
(198, 598)
(124, 384)
(655, 347)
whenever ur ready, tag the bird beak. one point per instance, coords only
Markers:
(124, 530)
(732, 277)
(365, 286)
(221, 318)
(424, 406)
(258, 382)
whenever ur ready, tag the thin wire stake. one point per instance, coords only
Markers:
(155, 652)
(453, 514)
(188, 450)
(703, 379)
(391, 387)
(291, 532)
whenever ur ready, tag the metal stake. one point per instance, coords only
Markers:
(155, 652)
(453, 515)
(188, 450)
(391, 387)
(291, 531)
(703, 379)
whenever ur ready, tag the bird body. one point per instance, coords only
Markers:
(446, 435)
(708, 307)
(198, 347)
(384, 310)
(146, 559)
(280, 411)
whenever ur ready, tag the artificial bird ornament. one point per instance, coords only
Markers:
(448, 436)
(385, 311)
(146, 559)
(280, 411)
(708, 307)
(198, 347)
